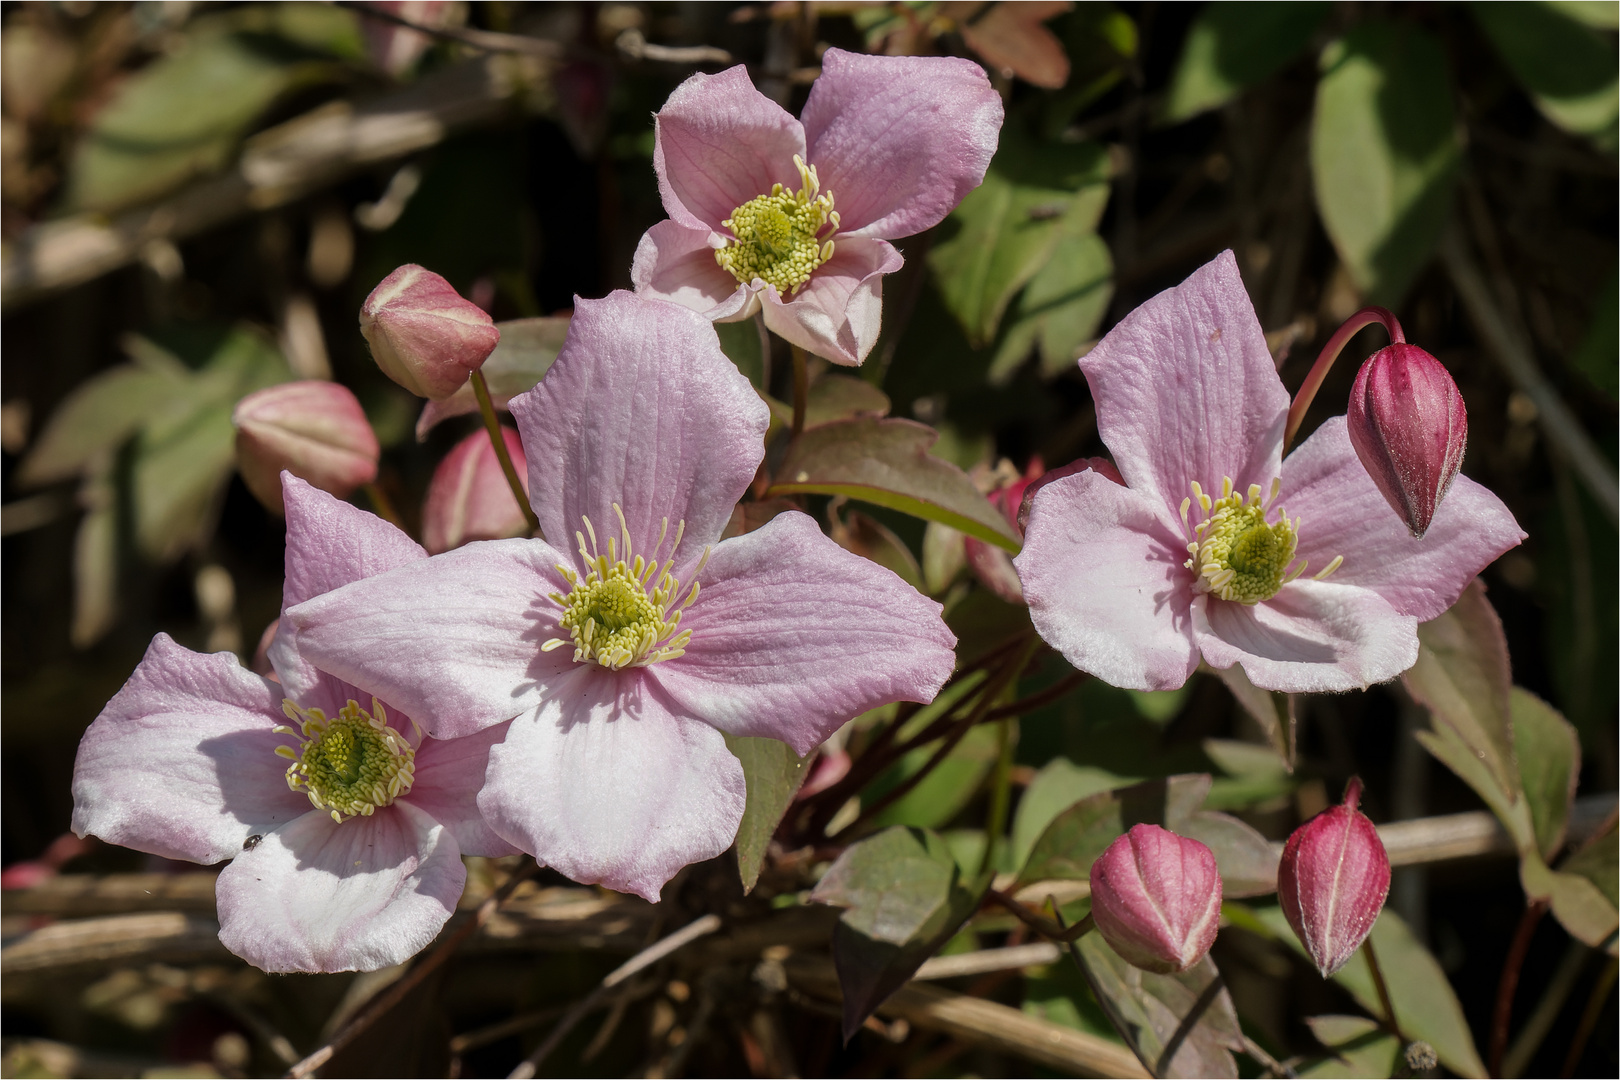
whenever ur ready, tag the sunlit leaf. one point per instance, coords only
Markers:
(1056, 787)
(1549, 757)
(1232, 46)
(1360, 1047)
(1060, 309)
(1154, 1007)
(98, 416)
(527, 349)
(772, 774)
(942, 794)
(1567, 68)
(1010, 37)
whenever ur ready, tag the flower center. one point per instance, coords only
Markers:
(1236, 553)
(623, 612)
(775, 235)
(351, 765)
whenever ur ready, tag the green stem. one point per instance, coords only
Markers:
(1330, 352)
(1383, 990)
(1126, 1031)
(384, 508)
(1000, 796)
(493, 426)
(801, 389)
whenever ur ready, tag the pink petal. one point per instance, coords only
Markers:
(718, 143)
(677, 264)
(899, 140)
(792, 636)
(1342, 512)
(1186, 390)
(454, 640)
(1312, 637)
(641, 409)
(610, 785)
(839, 312)
(182, 762)
(1105, 582)
(318, 896)
(449, 773)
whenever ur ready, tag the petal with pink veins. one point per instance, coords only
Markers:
(1342, 512)
(719, 143)
(449, 773)
(839, 312)
(1186, 390)
(643, 410)
(899, 140)
(610, 785)
(318, 896)
(182, 762)
(1313, 637)
(792, 636)
(1105, 583)
(676, 264)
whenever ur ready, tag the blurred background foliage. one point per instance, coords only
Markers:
(197, 197)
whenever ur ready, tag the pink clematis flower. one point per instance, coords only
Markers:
(344, 826)
(1193, 555)
(768, 212)
(631, 638)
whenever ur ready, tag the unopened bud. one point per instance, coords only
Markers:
(1333, 880)
(314, 429)
(1156, 898)
(469, 498)
(1410, 428)
(423, 334)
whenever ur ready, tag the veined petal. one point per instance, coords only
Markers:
(676, 263)
(449, 774)
(641, 409)
(182, 762)
(1313, 637)
(454, 640)
(899, 140)
(1186, 390)
(839, 312)
(318, 896)
(792, 636)
(1105, 583)
(718, 143)
(609, 785)
(1341, 512)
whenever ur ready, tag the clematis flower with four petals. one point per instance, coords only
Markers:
(345, 827)
(631, 639)
(794, 217)
(1216, 547)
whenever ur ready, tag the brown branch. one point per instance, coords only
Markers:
(1502, 1018)
(483, 40)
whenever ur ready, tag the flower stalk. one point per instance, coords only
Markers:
(1330, 352)
(801, 389)
(492, 425)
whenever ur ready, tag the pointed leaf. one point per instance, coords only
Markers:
(1549, 756)
(772, 774)
(1056, 787)
(99, 415)
(1578, 901)
(1060, 309)
(1567, 68)
(1154, 1008)
(1271, 710)
(1232, 46)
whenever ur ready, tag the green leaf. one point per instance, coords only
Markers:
(1154, 1006)
(772, 773)
(1578, 902)
(1271, 710)
(740, 341)
(526, 351)
(1596, 861)
(942, 794)
(1384, 152)
(1232, 46)
(886, 462)
(1060, 309)
(1360, 1047)
(97, 417)
(1059, 785)
(1568, 69)
(95, 555)
(1598, 14)
(1254, 774)
(1549, 755)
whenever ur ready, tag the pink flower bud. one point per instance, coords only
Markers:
(1156, 898)
(469, 498)
(315, 430)
(1409, 427)
(1333, 880)
(423, 334)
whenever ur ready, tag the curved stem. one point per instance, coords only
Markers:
(1330, 352)
(1509, 983)
(493, 425)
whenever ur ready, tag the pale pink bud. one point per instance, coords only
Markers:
(1333, 880)
(1156, 898)
(469, 498)
(315, 430)
(423, 334)
(1409, 427)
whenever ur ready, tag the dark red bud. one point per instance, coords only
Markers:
(1156, 898)
(1333, 880)
(1410, 428)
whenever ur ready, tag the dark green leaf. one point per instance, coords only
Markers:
(1578, 901)
(1549, 754)
(1059, 785)
(1360, 1048)
(1568, 69)
(1060, 309)
(1231, 46)
(741, 342)
(527, 349)
(942, 794)
(1154, 1007)
(1269, 709)
(772, 773)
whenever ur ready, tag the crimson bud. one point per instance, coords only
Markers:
(469, 498)
(1156, 898)
(314, 429)
(423, 334)
(1333, 880)
(1409, 427)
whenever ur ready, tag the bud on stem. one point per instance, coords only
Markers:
(1333, 880)
(1156, 898)
(1409, 427)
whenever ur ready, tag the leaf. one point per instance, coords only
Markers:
(942, 794)
(97, 417)
(1360, 1047)
(1271, 710)
(1596, 861)
(1549, 757)
(1598, 14)
(886, 462)
(1154, 1007)
(1059, 785)
(742, 344)
(772, 773)
(526, 351)
(1060, 309)
(1254, 774)
(1007, 227)
(1233, 46)
(1567, 68)
(873, 540)
(1011, 38)
(903, 899)
(843, 397)
(95, 555)
(1578, 901)
(1384, 152)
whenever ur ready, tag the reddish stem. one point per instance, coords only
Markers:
(1330, 352)
(1509, 983)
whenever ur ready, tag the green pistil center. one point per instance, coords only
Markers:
(350, 765)
(1236, 553)
(775, 237)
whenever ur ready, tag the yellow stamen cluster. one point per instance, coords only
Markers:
(351, 765)
(776, 234)
(1238, 555)
(623, 612)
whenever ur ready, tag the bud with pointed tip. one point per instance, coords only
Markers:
(1409, 427)
(469, 498)
(314, 429)
(423, 334)
(1156, 898)
(1333, 880)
